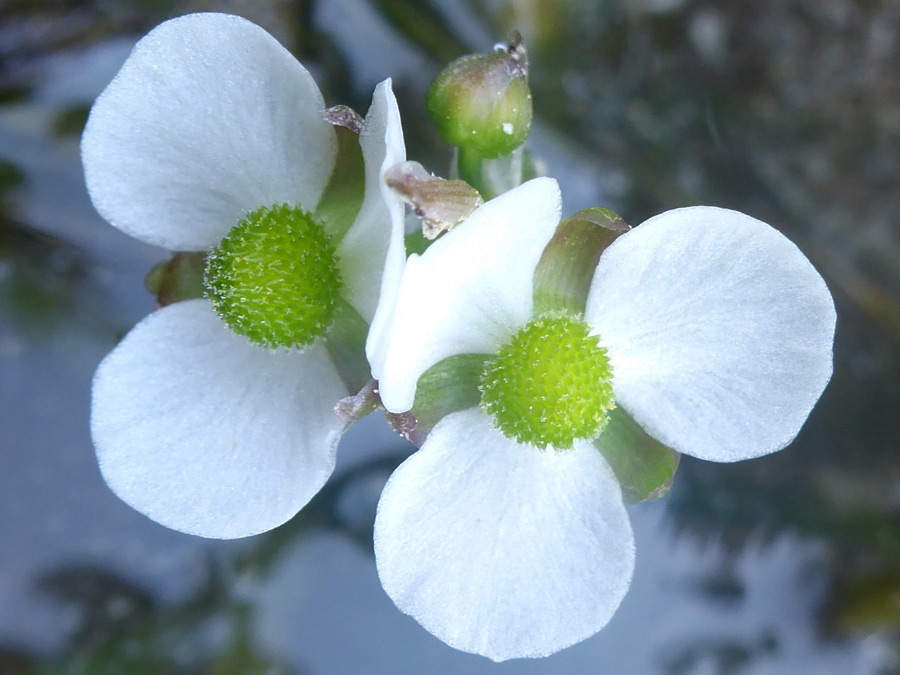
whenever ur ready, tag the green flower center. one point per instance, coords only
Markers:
(274, 278)
(551, 384)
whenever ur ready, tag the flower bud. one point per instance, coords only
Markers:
(481, 102)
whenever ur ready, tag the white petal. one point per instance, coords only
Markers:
(500, 549)
(372, 253)
(208, 434)
(719, 331)
(209, 118)
(470, 290)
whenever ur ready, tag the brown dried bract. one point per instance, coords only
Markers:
(440, 203)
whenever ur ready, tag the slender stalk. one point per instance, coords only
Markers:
(469, 167)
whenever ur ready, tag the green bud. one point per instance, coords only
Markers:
(481, 102)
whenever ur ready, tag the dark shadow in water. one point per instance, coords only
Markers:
(120, 628)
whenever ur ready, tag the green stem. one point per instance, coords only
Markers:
(469, 167)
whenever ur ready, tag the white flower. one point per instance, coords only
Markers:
(718, 334)
(209, 120)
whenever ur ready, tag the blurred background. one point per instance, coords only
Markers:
(784, 109)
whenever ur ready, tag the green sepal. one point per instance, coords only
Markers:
(644, 467)
(178, 278)
(564, 273)
(345, 341)
(343, 196)
(448, 386)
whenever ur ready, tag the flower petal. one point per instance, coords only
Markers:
(372, 253)
(719, 331)
(208, 434)
(470, 290)
(501, 549)
(209, 118)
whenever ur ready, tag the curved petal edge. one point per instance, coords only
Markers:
(208, 119)
(373, 253)
(501, 549)
(209, 434)
(719, 330)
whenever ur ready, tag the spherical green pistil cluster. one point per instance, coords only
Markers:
(550, 385)
(274, 278)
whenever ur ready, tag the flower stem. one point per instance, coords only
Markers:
(469, 166)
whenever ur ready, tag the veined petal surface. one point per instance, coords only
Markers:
(372, 252)
(209, 118)
(470, 290)
(206, 433)
(719, 331)
(500, 549)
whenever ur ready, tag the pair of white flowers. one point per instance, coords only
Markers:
(717, 331)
